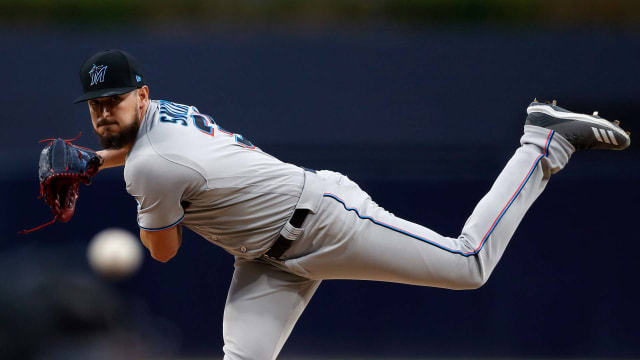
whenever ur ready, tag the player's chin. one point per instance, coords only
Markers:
(116, 140)
(113, 141)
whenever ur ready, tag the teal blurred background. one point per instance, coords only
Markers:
(421, 102)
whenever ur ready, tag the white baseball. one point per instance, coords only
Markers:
(115, 253)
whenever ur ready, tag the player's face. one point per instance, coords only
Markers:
(116, 119)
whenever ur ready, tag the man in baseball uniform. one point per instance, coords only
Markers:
(289, 227)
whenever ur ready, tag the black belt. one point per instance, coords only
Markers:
(283, 244)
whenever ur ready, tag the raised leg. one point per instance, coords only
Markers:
(351, 237)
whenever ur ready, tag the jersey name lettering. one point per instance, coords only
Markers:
(172, 113)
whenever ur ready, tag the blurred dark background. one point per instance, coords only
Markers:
(421, 102)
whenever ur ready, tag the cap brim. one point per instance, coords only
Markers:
(104, 92)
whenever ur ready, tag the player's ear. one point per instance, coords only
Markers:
(143, 96)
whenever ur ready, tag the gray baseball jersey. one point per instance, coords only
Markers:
(185, 168)
(242, 198)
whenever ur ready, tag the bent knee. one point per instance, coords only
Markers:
(471, 282)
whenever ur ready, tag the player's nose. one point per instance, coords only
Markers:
(104, 111)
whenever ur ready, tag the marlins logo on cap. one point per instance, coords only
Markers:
(97, 74)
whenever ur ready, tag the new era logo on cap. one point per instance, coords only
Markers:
(109, 72)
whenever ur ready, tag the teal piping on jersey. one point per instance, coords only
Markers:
(493, 225)
(162, 228)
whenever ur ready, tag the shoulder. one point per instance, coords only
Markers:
(164, 139)
(174, 132)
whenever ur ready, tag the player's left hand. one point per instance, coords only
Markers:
(62, 167)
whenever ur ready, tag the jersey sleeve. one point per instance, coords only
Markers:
(159, 186)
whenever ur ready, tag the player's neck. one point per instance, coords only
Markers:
(143, 112)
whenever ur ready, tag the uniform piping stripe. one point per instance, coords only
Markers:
(549, 137)
(163, 228)
(335, 197)
(486, 236)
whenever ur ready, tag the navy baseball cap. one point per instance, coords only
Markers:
(109, 72)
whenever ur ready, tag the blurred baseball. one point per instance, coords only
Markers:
(114, 253)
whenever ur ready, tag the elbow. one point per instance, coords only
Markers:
(163, 256)
(163, 245)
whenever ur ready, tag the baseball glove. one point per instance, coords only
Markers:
(62, 167)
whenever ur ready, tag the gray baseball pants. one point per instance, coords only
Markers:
(349, 236)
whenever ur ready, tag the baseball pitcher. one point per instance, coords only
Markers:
(289, 227)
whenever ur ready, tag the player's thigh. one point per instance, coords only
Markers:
(373, 244)
(262, 307)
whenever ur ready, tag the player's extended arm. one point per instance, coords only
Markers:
(113, 158)
(163, 244)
